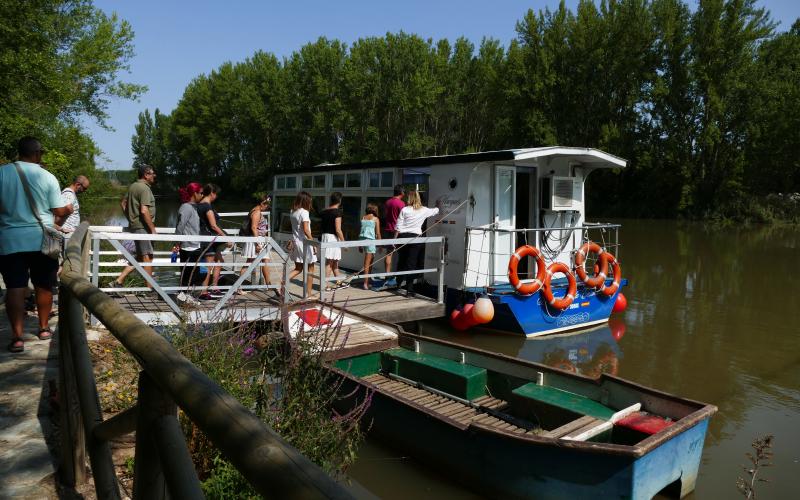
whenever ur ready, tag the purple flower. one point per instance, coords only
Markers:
(249, 352)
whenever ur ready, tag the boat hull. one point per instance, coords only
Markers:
(506, 462)
(503, 467)
(531, 316)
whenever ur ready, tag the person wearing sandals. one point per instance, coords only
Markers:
(332, 231)
(21, 236)
(300, 219)
(189, 251)
(257, 226)
(209, 226)
(370, 230)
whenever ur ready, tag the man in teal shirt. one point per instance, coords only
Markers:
(21, 258)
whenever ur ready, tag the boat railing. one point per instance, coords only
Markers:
(391, 245)
(109, 252)
(556, 243)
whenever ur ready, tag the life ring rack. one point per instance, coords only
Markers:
(531, 287)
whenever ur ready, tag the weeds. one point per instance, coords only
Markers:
(762, 457)
(284, 380)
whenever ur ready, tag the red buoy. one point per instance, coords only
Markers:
(463, 319)
(621, 304)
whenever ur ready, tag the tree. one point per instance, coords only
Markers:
(59, 59)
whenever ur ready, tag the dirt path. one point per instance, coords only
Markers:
(27, 433)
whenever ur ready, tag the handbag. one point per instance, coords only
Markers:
(52, 240)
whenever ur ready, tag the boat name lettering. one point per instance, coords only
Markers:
(572, 319)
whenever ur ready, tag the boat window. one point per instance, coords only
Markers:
(351, 217)
(313, 181)
(286, 182)
(354, 179)
(379, 179)
(337, 180)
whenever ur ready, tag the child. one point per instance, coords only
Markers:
(370, 230)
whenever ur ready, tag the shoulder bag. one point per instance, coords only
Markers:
(52, 240)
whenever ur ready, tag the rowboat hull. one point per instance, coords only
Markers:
(500, 459)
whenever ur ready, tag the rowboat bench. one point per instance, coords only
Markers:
(564, 400)
(461, 380)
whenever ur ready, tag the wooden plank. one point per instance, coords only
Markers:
(569, 427)
(589, 431)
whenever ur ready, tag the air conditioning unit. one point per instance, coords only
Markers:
(565, 194)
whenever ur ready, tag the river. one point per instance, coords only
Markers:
(711, 316)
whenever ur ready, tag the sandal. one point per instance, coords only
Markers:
(44, 334)
(16, 345)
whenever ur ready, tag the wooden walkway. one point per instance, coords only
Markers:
(388, 306)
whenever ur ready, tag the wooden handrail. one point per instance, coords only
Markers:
(272, 466)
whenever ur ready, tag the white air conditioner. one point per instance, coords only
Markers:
(566, 193)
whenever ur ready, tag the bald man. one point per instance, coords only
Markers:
(70, 197)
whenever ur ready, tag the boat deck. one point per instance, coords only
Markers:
(446, 407)
(388, 306)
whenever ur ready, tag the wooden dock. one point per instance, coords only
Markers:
(388, 306)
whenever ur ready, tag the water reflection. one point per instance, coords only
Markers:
(589, 352)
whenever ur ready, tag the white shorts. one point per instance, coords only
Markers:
(331, 253)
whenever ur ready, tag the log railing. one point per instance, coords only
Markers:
(168, 380)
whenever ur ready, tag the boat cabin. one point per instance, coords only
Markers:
(491, 202)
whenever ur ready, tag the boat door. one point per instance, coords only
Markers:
(504, 218)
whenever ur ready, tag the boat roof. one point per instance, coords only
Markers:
(587, 156)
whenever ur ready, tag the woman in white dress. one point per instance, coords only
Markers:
(257, 226)
(301, 229)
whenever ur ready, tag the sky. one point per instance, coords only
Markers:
(177, 40)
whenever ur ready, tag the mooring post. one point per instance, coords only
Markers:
(148, 474)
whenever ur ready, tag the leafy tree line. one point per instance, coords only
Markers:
(704, 104)
(60, 62)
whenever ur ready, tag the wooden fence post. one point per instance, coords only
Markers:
(73, 440)
(148, 474)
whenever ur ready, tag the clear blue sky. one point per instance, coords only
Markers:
(177, 40)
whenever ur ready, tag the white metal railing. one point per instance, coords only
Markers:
(320, 248)
(114, 236)
(271, 249)
(557, 244)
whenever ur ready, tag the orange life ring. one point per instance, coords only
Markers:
(600, 272)
(513, 277)
(547, 291)
(609, 259)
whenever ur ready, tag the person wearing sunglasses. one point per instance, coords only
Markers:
(69, 195)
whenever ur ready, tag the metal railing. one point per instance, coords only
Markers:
(320, 247)
(557, 244)
(167, 381)
(114, 236)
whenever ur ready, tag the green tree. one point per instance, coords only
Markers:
(59, 59)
